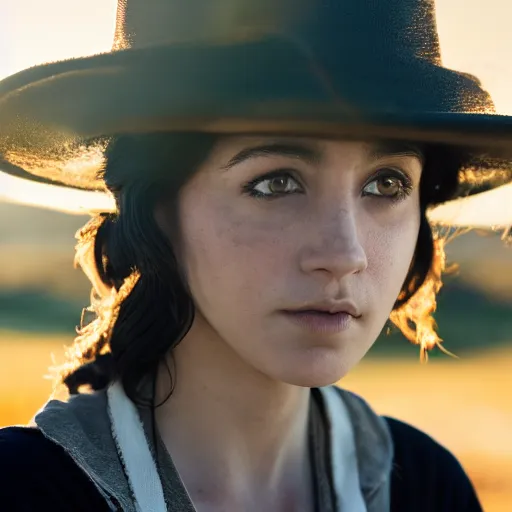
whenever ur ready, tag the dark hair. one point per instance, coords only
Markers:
(140, 302)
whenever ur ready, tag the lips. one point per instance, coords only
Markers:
(323, 322)
(347, 307)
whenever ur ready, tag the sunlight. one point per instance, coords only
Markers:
(52, 197)
(487, 209)
(476, 38)
(34, 32)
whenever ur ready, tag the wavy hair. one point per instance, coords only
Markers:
(140, 305)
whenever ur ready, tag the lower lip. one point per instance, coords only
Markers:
(320, 322)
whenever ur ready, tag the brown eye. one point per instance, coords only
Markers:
(278, 185)
(386, 186)
(274, 186)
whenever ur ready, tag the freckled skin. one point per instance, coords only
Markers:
(247, 259)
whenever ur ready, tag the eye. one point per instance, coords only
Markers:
(271, 185)
(390, 184)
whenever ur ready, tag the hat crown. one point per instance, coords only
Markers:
(321, 68)
(404, 26)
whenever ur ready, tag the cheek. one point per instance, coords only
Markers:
(390, 253)
(228, 255)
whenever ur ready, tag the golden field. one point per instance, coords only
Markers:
(465, 404)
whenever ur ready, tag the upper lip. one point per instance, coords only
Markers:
(344, 306)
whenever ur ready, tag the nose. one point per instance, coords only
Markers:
(334, 250)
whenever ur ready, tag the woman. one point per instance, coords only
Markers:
(262, 238)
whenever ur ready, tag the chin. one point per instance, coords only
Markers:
(316, 368)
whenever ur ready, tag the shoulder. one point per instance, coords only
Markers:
(37, 474)
(427, 474)
(415, 449)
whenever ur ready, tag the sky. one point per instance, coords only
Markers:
(475, 37)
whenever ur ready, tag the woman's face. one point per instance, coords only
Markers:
(295, 250)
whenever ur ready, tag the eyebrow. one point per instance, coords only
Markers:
(384, 149)
(305, 152)
(313, 155)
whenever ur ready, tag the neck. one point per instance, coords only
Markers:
(235, 436)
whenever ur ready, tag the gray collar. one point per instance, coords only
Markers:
(82, 427)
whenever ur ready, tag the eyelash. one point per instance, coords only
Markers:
(250, 187)
(404, 180)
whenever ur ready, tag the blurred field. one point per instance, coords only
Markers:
(464, 404)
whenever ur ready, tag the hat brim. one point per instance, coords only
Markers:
(53, 118)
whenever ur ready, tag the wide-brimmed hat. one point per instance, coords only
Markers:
(356, 69)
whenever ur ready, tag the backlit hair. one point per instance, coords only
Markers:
(140, 305)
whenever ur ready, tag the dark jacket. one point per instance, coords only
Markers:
(37, 473)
